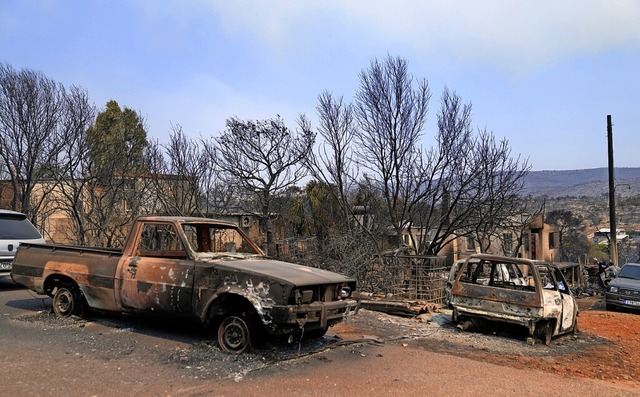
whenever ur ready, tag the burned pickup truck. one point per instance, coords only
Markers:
(525, 292)
(191, 268)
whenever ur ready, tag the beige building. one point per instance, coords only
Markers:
(537, 240)
(105, 210)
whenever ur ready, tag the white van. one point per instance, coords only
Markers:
(15, 228)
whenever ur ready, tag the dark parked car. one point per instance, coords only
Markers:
(624, 290)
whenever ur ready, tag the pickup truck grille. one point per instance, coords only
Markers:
(316, 293)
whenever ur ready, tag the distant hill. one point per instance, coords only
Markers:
(590, 182)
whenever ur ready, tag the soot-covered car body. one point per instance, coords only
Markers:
(530, 293)
(196, 268)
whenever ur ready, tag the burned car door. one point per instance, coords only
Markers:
(158, 277)
(559, 301)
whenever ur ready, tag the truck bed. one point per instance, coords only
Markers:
(94, 269)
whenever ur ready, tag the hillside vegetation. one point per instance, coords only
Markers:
(582, 183)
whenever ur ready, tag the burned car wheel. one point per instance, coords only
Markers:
(544, 331)
(67, 301)
(235, 333)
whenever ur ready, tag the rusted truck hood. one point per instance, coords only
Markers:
(297, 275)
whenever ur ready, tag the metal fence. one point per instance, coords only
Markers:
(409, 277)
(416, 277)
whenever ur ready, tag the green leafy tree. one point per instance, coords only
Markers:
(117, 184)
(117, 141)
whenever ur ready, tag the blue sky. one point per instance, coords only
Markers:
(543, 74)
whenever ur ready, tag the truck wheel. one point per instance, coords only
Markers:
(235, 333)
(67, 301)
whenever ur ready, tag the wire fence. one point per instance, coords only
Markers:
(416, 277)
(403, 276)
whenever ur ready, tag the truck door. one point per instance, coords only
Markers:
(158, 277)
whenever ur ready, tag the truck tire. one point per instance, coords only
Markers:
(68, 301)
(236, 333)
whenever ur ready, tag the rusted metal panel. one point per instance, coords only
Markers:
(273, 297)
(91, 269)
(502, 295)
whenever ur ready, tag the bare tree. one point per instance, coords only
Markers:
(466, 184)
(570, 226)
(391, 111)
(72, 170)
(498, 178)
(474, 182)
(333, 163)
(179, 180)
(264, 158)
(220, 193)
(32, 130)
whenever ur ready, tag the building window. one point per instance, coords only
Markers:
(471, 244)
(552, 240)
(507, 242)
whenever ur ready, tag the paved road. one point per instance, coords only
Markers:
(107, 356)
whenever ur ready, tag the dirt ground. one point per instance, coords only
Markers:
(614, 354)
(607, 346)
(152, 358)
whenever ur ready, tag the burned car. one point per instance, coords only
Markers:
(624, 290)
(530, 293)
(187, 268)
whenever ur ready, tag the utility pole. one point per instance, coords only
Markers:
(613, 240)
